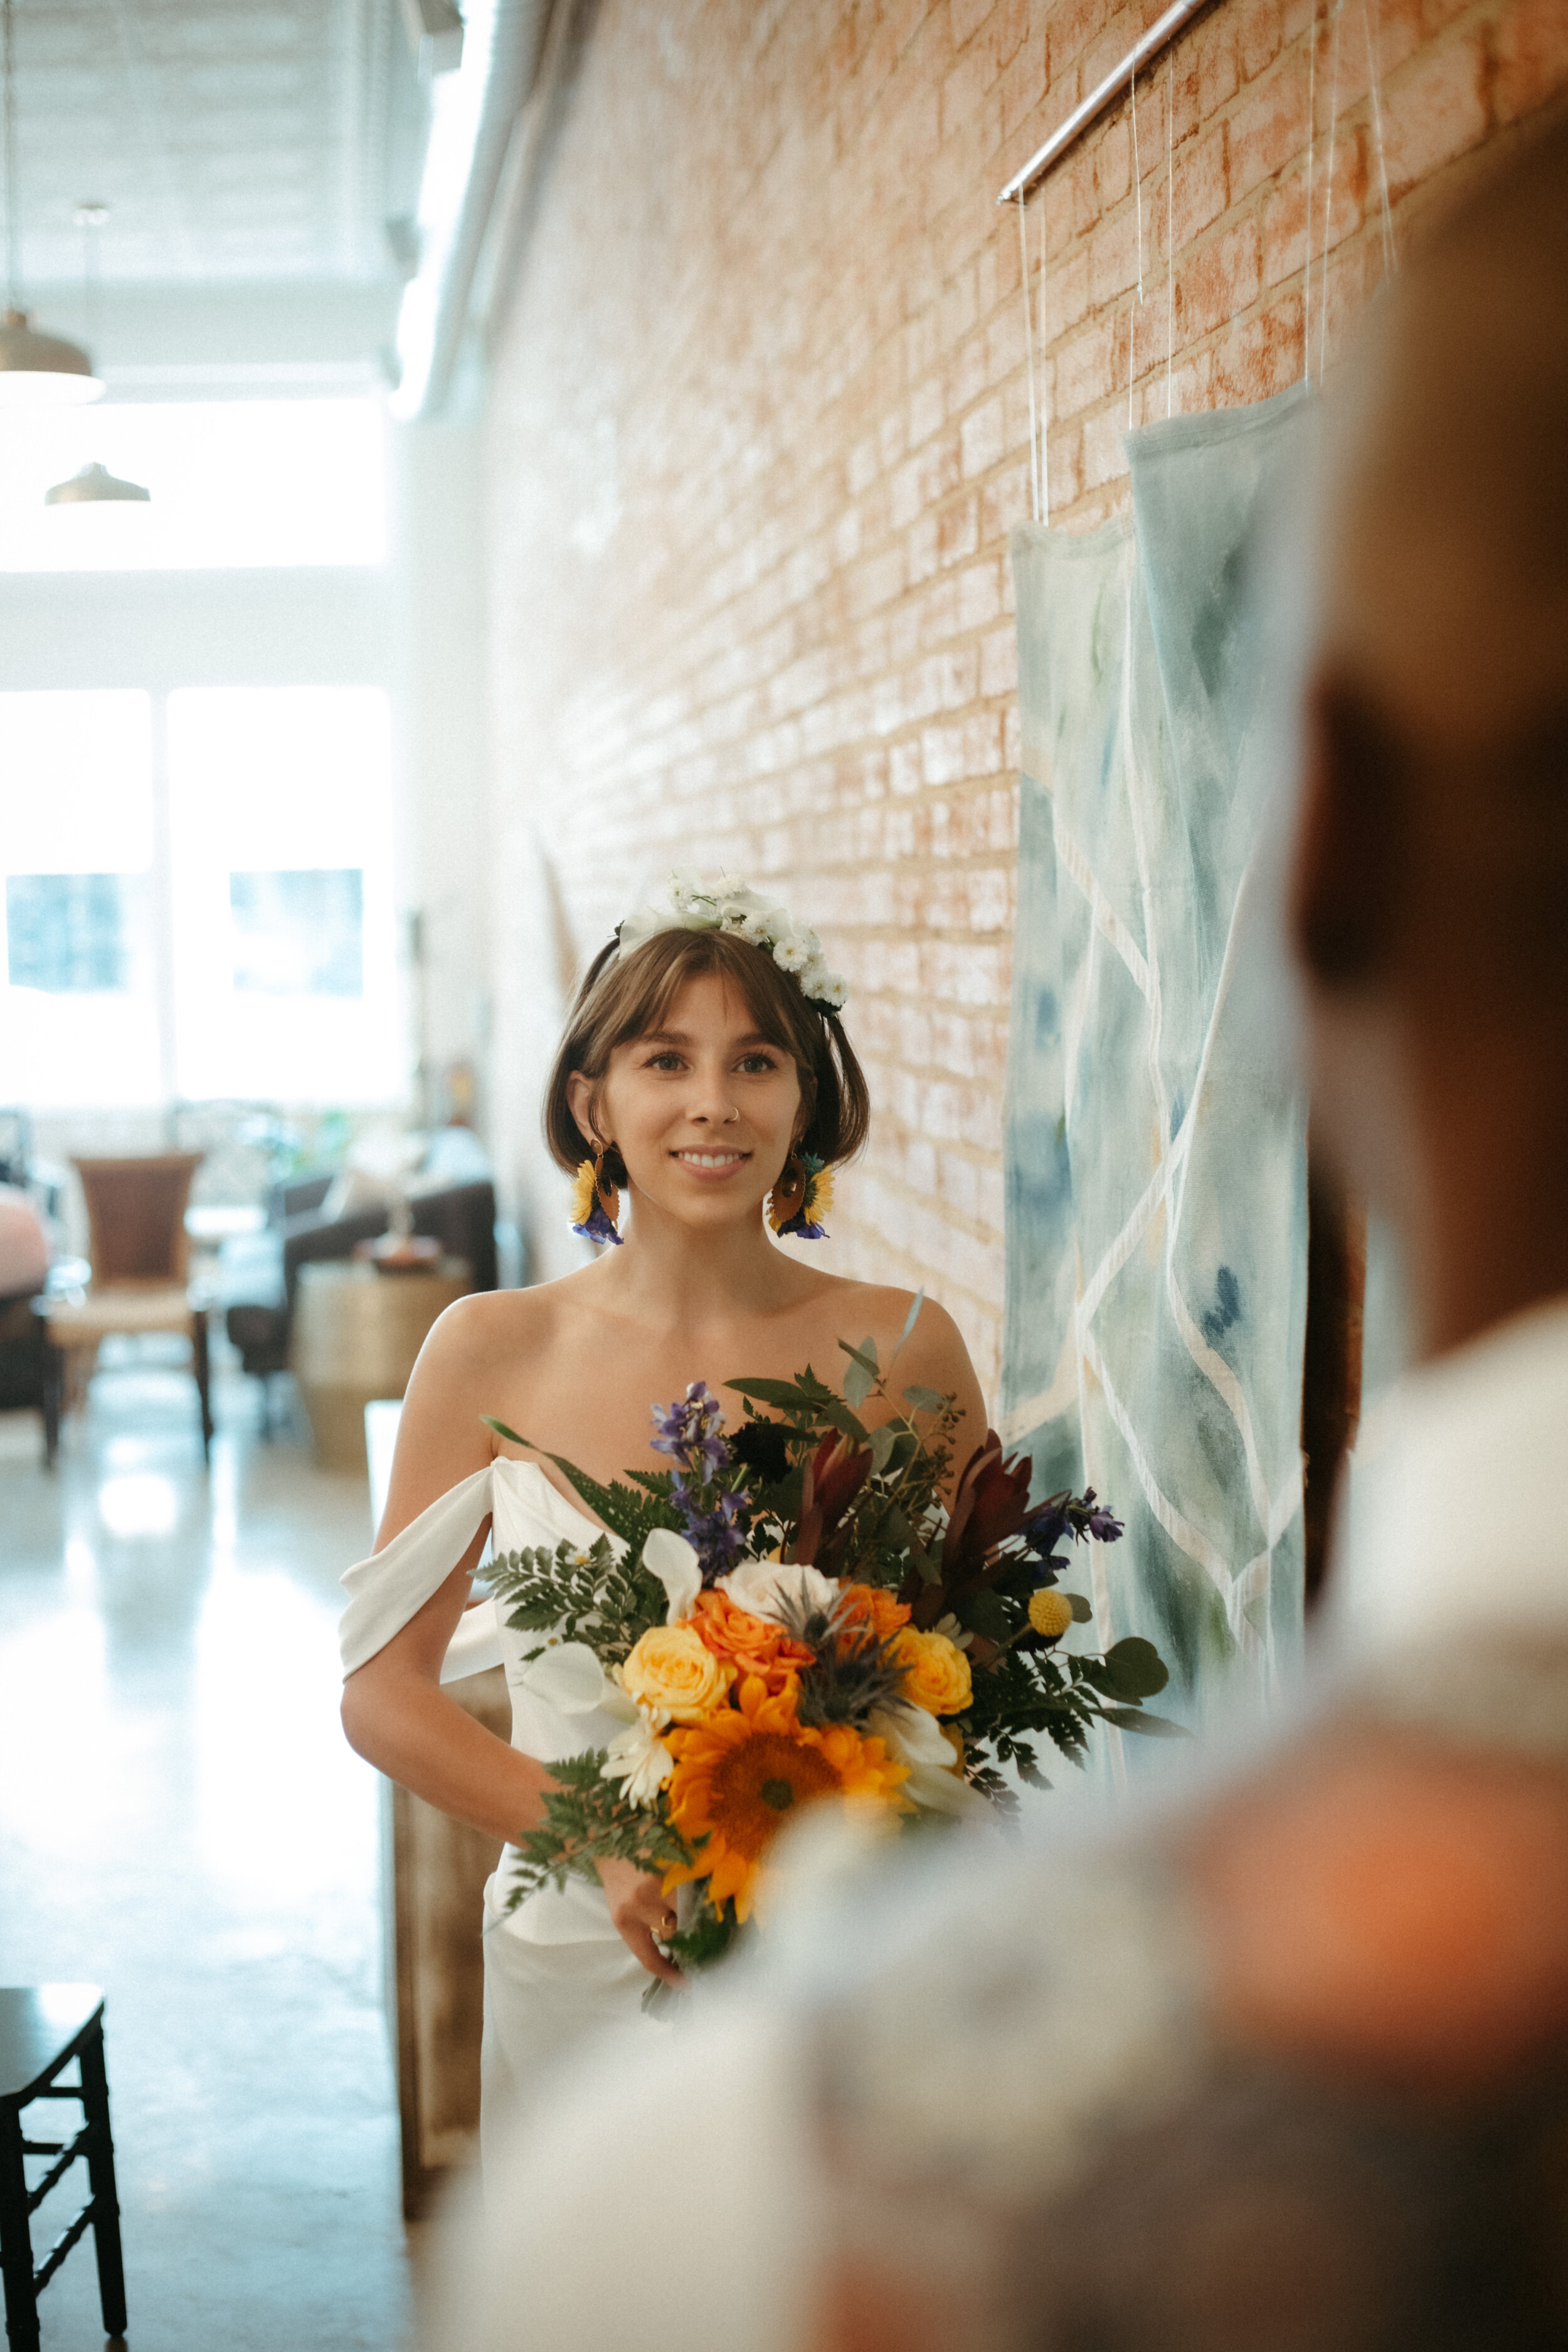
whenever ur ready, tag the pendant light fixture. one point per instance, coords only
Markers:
(94, 484)
(37, 371)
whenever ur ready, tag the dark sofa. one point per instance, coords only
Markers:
(258, 1273)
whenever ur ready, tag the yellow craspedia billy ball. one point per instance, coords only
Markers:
(1050, 1613)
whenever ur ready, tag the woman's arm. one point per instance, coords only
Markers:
(394, 1711)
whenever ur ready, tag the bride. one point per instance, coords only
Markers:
(705, 1075)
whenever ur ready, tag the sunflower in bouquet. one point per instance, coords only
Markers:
(795, 1610)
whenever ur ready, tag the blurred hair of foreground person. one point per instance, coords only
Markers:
(1286, 2069)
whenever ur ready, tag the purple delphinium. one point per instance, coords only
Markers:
(1046, 1528)
(690, 1432)
(1063, 1518)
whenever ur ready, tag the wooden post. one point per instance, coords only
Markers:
(1330, 1372)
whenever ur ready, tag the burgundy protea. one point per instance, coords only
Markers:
(834, 1477)
(990, 1503)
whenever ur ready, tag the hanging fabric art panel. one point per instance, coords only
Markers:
(1155, 1136)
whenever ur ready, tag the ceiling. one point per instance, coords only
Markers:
(251, 154)
(257, 140)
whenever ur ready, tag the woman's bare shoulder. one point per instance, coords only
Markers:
(933, 1354)
(489, 1325)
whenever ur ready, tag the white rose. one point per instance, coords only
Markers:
(764, 1586)
(638, 1759)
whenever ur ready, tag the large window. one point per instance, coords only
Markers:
(79, 1022)
(285, 968)
(66, 931)
(198, 898)
(233, 482)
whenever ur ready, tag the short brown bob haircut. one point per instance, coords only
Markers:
(621, 1000)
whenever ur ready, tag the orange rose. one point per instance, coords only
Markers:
(752, 1646)
(873, 1606)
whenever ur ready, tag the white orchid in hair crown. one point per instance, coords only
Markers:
(723, 905)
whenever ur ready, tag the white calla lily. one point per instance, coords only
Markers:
(913, 1738)
(568, 1677)
(675, 1563)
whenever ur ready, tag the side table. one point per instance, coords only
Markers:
(356, 1333)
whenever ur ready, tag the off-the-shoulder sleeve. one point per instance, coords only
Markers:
(392, 1585)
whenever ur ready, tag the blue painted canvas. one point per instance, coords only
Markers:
(1155, 1133)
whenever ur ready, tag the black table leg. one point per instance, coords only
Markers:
(203, 1367)
(101, 2172)
(54, 1386)
(17, 2237)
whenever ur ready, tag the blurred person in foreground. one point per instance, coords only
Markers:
(1284, 2066)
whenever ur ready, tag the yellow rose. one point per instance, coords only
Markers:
(936, 1672)
(1050, 1613)
(672, 1668)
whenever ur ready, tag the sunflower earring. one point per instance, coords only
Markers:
(596, 1201)
(803, 1195)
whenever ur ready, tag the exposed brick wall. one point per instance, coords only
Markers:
(758, 429)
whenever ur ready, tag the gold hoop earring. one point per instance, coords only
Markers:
(801, 1198)
(595, 1200)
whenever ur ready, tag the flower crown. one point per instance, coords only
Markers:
(745, 914)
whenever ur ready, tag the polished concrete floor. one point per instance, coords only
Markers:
(182, 1823)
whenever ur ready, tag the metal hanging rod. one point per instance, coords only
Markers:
(1163, 29)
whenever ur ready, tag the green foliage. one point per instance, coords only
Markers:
(708, 1937)
(587, 1820)
(626, 1513)
(892, 1535)
(805, 1403)
(595, 1596)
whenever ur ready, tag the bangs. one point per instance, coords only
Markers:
(624, 998)
(653, 987)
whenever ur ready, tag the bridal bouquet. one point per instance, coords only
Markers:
(791, 1611)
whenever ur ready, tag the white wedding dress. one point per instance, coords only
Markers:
(556, 1968)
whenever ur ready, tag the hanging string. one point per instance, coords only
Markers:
(1311, 137)
(12, 255)
(1375, 78)
(1029, 355)
(1045, 375)
(1138, 215)
(1329, 194)
(1170, 222)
